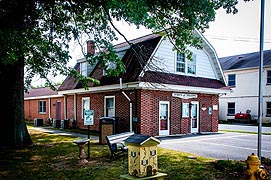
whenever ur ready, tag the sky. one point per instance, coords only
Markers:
(240, 33)
(229, 34)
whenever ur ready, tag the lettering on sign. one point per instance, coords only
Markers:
(88, 117)
(184, 96)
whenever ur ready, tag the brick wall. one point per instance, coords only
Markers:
(31, 110)
(122, 111)
(149, 106)
(146, 108)
(215, 118)
(70, 106)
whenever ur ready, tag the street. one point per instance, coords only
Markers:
(221, 145)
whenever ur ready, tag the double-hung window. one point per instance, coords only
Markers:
(184, 65)
(191, 67)
(231, 108)
(109, 106)
(42, 107)
(268, 109)
(180, 63)
(83, 68)
(269, 77)
(231, 80)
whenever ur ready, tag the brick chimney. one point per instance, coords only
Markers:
(90, 47)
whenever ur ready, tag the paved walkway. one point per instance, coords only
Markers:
(64, 133)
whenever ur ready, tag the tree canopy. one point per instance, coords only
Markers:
(35, 36)
(40, 30)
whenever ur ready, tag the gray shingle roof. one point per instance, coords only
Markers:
(134, 63)
(176, 79)
(140, 139)
(244, 61)
(44, 91)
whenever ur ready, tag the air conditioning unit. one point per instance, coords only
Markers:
(38, 122)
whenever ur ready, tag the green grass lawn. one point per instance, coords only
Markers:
(56, 157)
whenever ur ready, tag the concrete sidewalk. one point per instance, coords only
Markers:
(64, 133)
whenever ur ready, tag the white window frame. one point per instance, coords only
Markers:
(85, 106)
(83, 68)
(192, 63)
(187, 64)
(105, 105)
(229, 114)
(179, 58)
(42, 107)
(185, 110)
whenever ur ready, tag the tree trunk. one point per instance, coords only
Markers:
(13, 131)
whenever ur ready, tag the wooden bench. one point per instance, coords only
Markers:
(116, 143)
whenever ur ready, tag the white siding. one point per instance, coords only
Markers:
(245, 93)
(165, 57)
(241, 105)
(204, 64)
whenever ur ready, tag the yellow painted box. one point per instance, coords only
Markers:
(142, 155)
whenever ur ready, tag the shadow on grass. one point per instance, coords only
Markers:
(56, 157)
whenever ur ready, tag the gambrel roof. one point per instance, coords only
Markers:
(135, 60)
(245, 61)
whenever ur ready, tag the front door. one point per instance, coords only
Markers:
(194, 115)
(164, 118)
(58, 110)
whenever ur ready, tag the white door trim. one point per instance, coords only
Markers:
(164, 125)
(194, 120)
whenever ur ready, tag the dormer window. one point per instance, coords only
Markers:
(191, 68)
(180, 63)
(184, 65)
(83, 68)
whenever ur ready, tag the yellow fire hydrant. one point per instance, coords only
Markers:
(253, 171)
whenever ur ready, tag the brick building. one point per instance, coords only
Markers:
(161, 93)
(43, 103)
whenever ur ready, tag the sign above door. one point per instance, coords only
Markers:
(184, 96)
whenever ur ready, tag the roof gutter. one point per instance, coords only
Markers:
(43, 97)
(179, 88)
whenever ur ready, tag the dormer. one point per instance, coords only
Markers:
(85, 67)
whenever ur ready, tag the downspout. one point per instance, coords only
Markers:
(65, 107)
(74, 107)
(131, 106)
